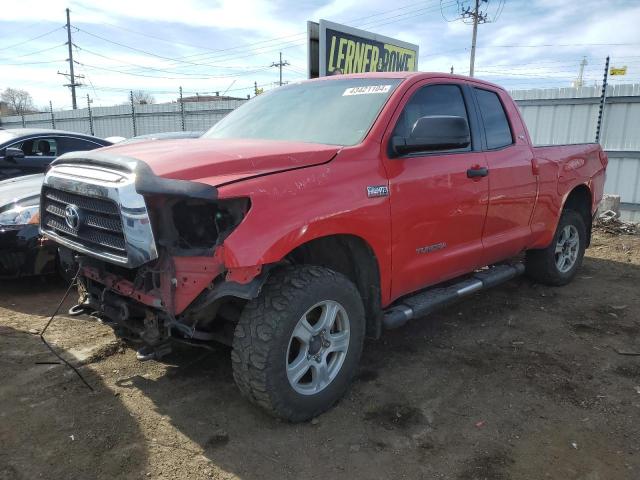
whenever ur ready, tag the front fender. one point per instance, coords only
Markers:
(295, 207)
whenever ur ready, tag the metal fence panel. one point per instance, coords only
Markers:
(553, 116)
(118, 120)
(569, 115)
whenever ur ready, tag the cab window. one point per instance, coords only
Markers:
(428, 101)
(496, 124)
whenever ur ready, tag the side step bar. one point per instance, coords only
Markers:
(427, 301)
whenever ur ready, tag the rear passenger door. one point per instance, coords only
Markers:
(512, 183)
(438, 205)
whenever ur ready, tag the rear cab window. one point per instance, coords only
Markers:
(496, 124)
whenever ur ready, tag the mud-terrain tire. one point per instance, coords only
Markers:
(557, 264)
(269, 349)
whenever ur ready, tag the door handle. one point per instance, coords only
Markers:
(477, 172)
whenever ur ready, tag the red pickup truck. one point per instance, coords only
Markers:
(317, 214)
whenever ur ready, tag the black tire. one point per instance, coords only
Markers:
(262, 336)
(541, 265)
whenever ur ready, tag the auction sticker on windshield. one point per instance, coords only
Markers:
(366, 90)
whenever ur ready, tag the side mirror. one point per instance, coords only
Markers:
(436, 132)
(13, 153)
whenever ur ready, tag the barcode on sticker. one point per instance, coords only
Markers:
(367, 90)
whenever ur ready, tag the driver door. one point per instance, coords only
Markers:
(438, 205)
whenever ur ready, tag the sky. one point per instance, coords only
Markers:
(207, 46)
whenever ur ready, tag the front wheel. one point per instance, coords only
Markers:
(297, 346)
(559, 262)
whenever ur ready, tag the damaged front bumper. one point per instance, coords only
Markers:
(150, 250)
(182, 302)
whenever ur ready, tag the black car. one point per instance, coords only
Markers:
(25, 151)
(23, 251)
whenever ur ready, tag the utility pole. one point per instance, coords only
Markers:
(579, 82)
(280, 64)
(476, 17)
(71, 75)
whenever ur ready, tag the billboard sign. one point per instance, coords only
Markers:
(337, 49)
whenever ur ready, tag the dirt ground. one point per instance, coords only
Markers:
(520, 382)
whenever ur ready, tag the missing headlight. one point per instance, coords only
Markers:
(195, 227)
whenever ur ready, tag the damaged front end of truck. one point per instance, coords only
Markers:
(148, 251)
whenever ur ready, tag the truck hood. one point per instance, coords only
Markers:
(217, 161)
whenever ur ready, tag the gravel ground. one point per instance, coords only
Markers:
(521, 382)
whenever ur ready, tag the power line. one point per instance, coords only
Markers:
(147, 67)
(32, 39)
(405, 16)
(34, 63)
(215, 50)
(219, 56)
(294, 43)
(563, 45)
(211, 77)
(270, 40)
(34, 53)
(171, 59)
(499, 10)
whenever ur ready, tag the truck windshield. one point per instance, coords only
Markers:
(334, 112)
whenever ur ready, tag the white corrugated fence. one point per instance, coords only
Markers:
(554, 116)
(569, 115)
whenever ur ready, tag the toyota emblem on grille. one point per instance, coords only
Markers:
(72, 216)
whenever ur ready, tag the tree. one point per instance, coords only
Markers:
(18, 101)
(140, 97)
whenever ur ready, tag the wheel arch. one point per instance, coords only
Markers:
(580, 199)
(353, 257)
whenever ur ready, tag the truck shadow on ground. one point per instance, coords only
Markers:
(34, 295)
(465, 393)
(52, 426)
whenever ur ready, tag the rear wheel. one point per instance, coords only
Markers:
(297, 346)
(558, 263)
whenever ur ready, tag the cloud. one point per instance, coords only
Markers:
(200, 38)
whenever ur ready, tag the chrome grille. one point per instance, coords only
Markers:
(99, 205)
(99, 226)
(96, 210)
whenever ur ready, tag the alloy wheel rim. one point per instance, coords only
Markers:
(318, 347)
(567, 248)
